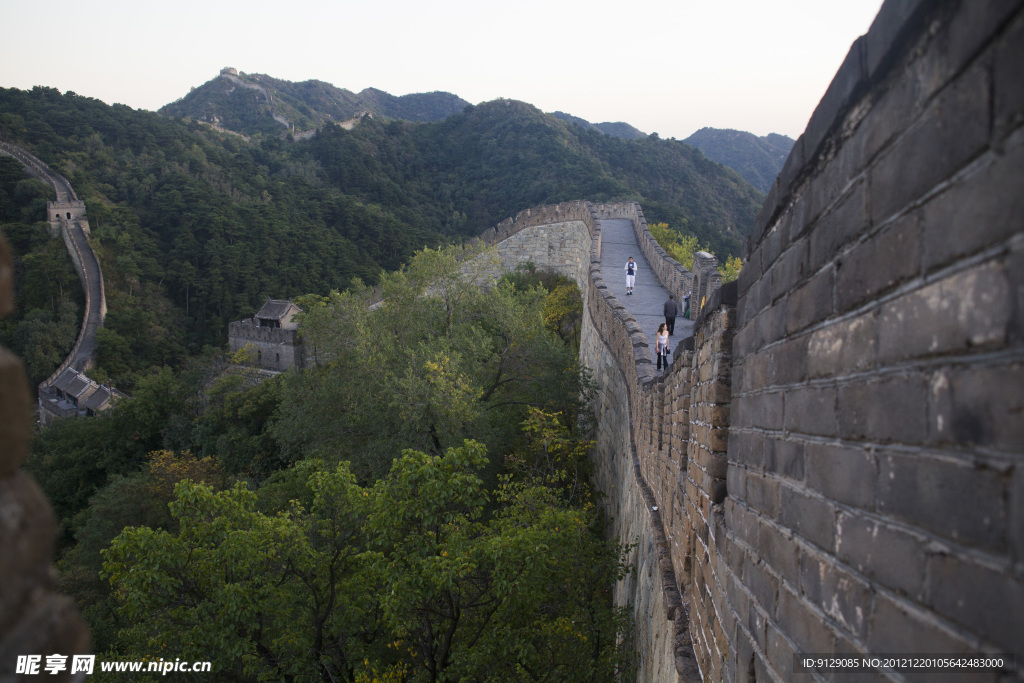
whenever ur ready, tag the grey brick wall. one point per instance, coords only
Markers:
(874, 462)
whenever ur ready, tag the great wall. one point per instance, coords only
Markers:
(833, 463)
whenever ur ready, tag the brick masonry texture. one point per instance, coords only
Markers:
(836, 459)
(875, 492)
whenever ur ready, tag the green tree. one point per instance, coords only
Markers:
(425, 574)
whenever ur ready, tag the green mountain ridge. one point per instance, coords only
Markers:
(757, 159)
(196, 228)
(258, 104)
(618, 129)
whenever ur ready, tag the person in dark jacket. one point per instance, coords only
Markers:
(671, 310)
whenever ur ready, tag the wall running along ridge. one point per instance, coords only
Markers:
(837, 462)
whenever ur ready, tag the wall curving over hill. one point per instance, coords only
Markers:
(836, 465)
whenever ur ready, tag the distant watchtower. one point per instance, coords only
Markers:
(274, 334)
(71, 210)
(229, 71)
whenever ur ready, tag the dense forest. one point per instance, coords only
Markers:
(195, 228)
(416, 505)
(260, 105)
(757, 159)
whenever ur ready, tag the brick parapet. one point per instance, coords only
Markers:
(874, 469)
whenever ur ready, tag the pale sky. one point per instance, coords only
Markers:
(665, 66)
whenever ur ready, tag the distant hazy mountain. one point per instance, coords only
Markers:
(617, 129)
(757, 160)
(254, 104)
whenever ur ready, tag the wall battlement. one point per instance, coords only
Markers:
(835, 464)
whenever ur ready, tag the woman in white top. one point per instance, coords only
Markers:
(630, 275)
(661, 346)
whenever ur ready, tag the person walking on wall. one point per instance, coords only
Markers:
(661, 346)
(686, 304)
(671, 310)
(630, 275)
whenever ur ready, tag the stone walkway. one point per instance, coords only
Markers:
(618, 243)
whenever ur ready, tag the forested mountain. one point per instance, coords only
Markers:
(429, 475)
(195, 228)
(257, 104)
(757, 159)
(617, 129)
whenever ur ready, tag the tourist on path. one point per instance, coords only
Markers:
(630, 275)
(671, 310)
(686, 303)
(661, 346)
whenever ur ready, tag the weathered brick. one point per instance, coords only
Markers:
(952, 131)
(811, 410)
(762, 493)
(749, 274)
(842, 348)
(963, 311)
(962, 501)
(790, 269)
(763, 410)
(811, 574)
(811, 517)
(977, 597)
(771, 323)
(780, 653)
(763, 586)
(889, 258)
(784, 457)
(883, 553)
(756, 623)
(1016, 504)
(885, 36)
(890, 110)
(772, 244)
(812, 302)
(779, 551)
(736, 480)
(843, 224)
(978, 406)
(803, 625)
(978, 211)
(846, 475)
(893, 408)
(845, 598)
(849, 80)
(898, 626)
(746, 448)
(1009, 96)
(744, 656)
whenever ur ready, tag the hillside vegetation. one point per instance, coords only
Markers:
(196, 228)
(757, 159)
(260, 105)
(416, 505)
